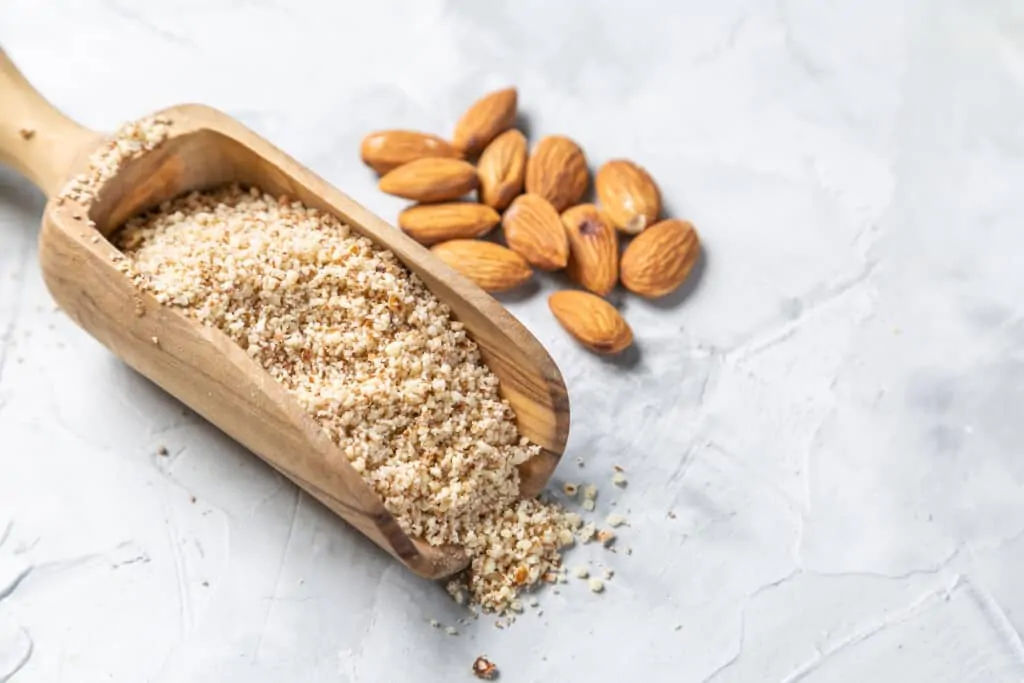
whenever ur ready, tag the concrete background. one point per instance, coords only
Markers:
(822, 434)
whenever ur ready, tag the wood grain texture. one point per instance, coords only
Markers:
(201, 366)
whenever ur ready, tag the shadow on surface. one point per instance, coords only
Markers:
(20, 195)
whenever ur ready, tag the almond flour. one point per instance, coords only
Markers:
(372, 355)
(131, 140)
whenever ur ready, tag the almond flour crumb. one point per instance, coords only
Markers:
(485, 668)
(374, 357)
(596, 585)
(586, 534)
(588, 504)
(608, 574)
(435, 623)
(451, 630)
(619, 479)
(582, 572)
(130, 141)
(590, 492)
(606, 537)
(615, 520)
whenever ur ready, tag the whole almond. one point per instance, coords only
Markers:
(593, 248)
(534, 230)
(628, 194)
(502, 168)
(491, 266)
(557, 171)
(431, 180)
(384, 150)
(592, 321)
(491, 114)
(431, 223)
(660, 258)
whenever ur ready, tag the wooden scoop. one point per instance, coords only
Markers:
(201, 366)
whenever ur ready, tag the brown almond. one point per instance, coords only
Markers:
(491, 266)
(593, 248)
(491, 114)
(557, 171)
(660, 258)
(431, 223)
(534, 230)
(431, 180)
(502, 168)
(628, 195)
(592, 321)
(384, 150)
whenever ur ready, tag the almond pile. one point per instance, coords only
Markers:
(538, 198)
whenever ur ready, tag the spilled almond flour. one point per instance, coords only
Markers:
(374, 357)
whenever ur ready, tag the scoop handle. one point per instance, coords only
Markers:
(35, 138)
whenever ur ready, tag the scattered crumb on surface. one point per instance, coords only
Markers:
(615, 520)
(609, 573)
(162, 450)
(484, 668)
(606, 537)
(596, 585)
(451, 630)
(579, 462)
(582, 572)
(155, 340)
(588, 504)
(590, 492)
(619, 479)
(586, 534)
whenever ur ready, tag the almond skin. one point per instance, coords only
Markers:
(660, 258)
(502, 168)
(557, 171)
(491, 114)
(593, 248)
(432, 223)
(628, 195)
(491, 266)
(592, 321)
(534, 230)
(385, 150)
(430, 180)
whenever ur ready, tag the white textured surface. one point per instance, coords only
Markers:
(835, 415)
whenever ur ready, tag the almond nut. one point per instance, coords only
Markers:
(660, 258)
(491, 114)
(431, 180)
(592, 321)
(431, 223)
(557, 171)
(388, 149)
(491, 266)
(593, 248)
(628, 194)
(534, 230)
(502, 168)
